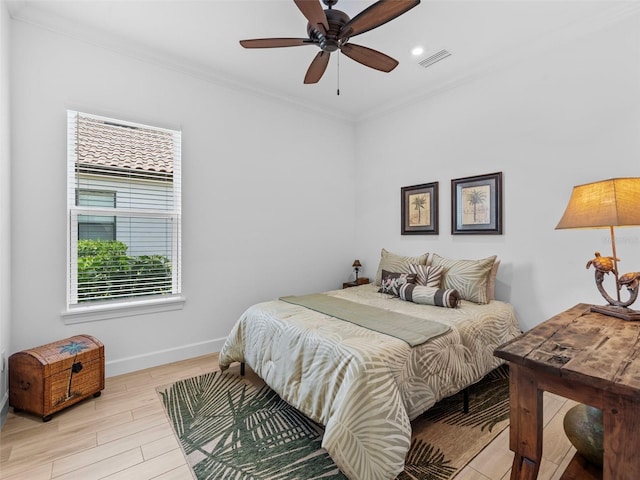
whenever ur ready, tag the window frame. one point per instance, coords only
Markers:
(77, 312)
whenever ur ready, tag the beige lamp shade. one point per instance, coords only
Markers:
(608, 203)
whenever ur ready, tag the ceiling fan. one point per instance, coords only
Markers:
(331, 30)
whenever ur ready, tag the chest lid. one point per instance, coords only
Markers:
(61, 355)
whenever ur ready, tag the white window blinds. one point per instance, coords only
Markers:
(123, 199)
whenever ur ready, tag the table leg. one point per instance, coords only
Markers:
(525, 436)
(620, 426)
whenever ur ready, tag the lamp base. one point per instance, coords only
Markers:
(620, 312)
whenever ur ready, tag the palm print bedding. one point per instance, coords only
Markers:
(365, 387)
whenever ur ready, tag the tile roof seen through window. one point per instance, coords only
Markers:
(105, 145)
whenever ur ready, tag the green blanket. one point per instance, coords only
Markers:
(412, 330)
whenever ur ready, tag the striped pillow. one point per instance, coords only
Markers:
(427, 276)
(469, 277)
(429, 295)
(397, 263)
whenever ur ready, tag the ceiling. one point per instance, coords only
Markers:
(201, 37)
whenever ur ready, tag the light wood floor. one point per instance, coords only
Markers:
(124, 434)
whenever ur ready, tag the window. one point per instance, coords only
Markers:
(124, 212)
(96, 227)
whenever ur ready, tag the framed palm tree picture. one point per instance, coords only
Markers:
(419, 209)
(476, 204)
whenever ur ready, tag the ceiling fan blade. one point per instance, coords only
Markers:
(275, 42)
(313, 12)
(377, 14)
(369, 57)
(317, 67)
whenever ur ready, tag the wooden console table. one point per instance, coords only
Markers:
(587, 357)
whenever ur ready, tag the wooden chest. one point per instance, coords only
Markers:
(46, 379)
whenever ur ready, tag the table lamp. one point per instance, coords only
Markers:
(608, 204)
(356, 266)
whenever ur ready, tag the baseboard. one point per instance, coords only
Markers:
(4, 410)
(161, 357)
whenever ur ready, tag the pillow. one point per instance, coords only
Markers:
(491, 284)
(469, 277)
(397, 263)
(392, 281)
(429, 295)
(428, 276)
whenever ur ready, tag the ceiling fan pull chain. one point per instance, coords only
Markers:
(338, 90)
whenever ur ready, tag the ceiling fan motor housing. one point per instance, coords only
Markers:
(329, 42)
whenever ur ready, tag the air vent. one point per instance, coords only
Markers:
(436, 57)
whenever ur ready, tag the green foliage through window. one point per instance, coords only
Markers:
(105, 270)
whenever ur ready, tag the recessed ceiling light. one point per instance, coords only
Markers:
(415, 51)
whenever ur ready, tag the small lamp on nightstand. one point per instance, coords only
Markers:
(356, 266)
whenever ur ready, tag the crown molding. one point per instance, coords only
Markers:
(20, 10)
(618, 12)
(28, 14)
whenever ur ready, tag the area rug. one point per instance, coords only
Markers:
(234, 427)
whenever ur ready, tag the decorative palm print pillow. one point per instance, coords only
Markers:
(392, 281)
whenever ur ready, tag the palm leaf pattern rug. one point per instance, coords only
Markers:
(233, 427)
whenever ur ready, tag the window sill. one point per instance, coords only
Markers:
(91, 313)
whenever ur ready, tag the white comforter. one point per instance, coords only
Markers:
(365, 387)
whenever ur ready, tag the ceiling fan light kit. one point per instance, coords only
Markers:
(331, 29)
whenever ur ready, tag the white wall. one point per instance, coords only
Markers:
(5, 203)
(264, 213)
(560, 118)
(265, 216)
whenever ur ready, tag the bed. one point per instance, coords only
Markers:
(363, 385)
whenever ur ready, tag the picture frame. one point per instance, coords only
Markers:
(476, 205)
(419, 209)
